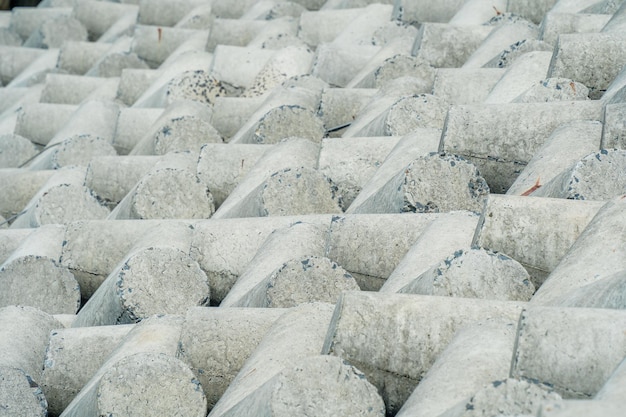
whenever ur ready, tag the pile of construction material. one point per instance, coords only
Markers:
(313, 208)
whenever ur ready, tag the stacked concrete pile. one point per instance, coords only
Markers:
(309, 207)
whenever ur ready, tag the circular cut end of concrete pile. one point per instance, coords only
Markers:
(79, 150)
(148, 383)
(325, 386)
(160, 280)
(294, 191)
(15, 150)
(599, 176)
(185, 133)
(510, 397)
(39, 282)
(171, 194)
(554, 89)
(439, 183)
(307, 280)
(405, 65)
(480, 273)
(196, 85)
(416, 112)
(66, 203)
(289, 121)
(20, 395)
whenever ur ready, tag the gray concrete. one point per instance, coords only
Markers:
(157, 276)
(18, 187)
(477, 354)
(517, 226)
(36, 72)
(445, 234)
(614, 131)
(340, 106)
(62, 199)
(154, 49)
(509, 55)
(28, 19)
(555, 24)
(73, 356)
(169, 190)
(501, 139)
(420, 327)
(72, 152)
(296, 335)
(15, 150)
(607, 292)
(39, 122)
(79, 57)
(33, 276)
(283, 245)
(583, 346)
(74, 89)
(477, 12)
(10, 240)
(18, 396)
(216, 342)
(338, 64)
(413, 12)
(231, 113)
(465, 85)
(597, 253)
(98, 18)
(163, 13)
(566, 145)
(522, 74)
(17, 60)
(553, 89)
(604, 58)
(509, 396)
(614, 388)
(25, 332)
(582, 408)
(597, 176)
(475, 273)
(54, 32)
(344, 389)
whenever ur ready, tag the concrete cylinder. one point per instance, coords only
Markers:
(221, 167)
(338, 64)
(586, 178)
(73, 356)
(69, 88)
(17, 60)
(231, 113)
(20, 394)
(98, 18)
(507, 31)
(465, 85)
(408, 114)
(32, 274)
(36, 71)
(154, 44)
(216, 342)
(605, 293)
(444, 235)
(293, 152)
(18, 187)
(522, 74)
(420, 187)
(223, 248)
(513, 52)
(134, 83)
(351, 162)
(24, 20)
(500, 139)
(248, 62)
(132, 124)
(79, 57)
(447, 45)
(476, 12)
(614, 131)
(340, 106)
(234, 32)
(566, 145)
(183, 126)
(412, 12)
(581, 408)
(323, 26)
(157, 277)
(50, 204)
(584, 346)
(39, 122)
(613, 389)
(54, 32)
(163, 13)
(517, 226)
(169, 190)
(297, 334)
(597, 253)
(293, 242)
(15, 150)
(72, 152)
(344, 389)
(110, 240)
(364, 322)
(25, 332)
(554, 89)
(10, 240)
(555, 24)
(477, 354)
(475, 273)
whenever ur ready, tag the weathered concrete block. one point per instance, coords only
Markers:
(566, 145)
(420, 326)
(477, 354)
(215, 343)
(603, 54)
(169, 190)
(62, 199)
(586, 179)
(584, 346)
(517, 226)
(294, 336)
(448, 45)
(342, 388)
(475, 273)
(501, 139)
(25, 332)
(32, 275)
(73, 356)
(156, 277)
(596, 254)
(445, 234)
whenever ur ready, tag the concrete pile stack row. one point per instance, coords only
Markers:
(310, 207)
